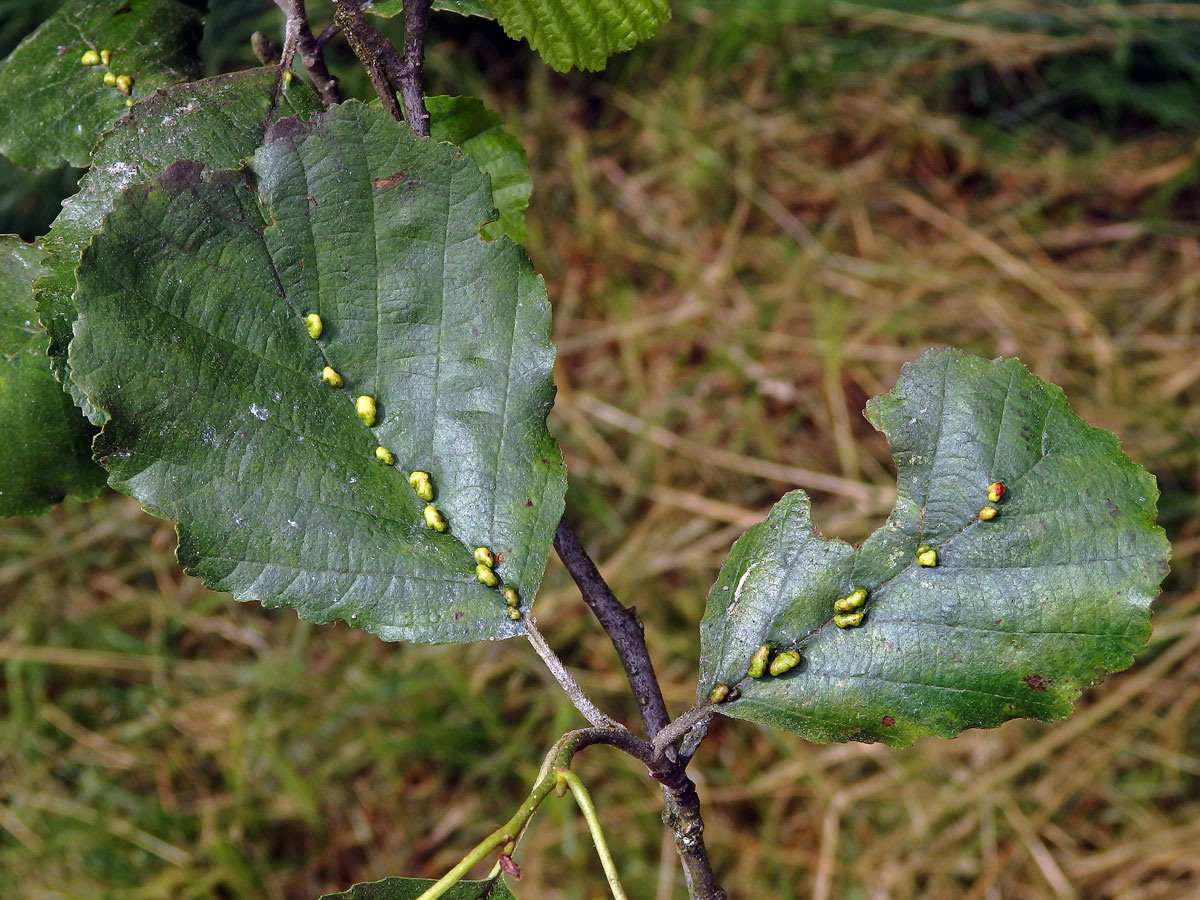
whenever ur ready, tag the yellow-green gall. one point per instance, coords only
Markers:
(124, 84)
(996, 491)
(106, 56)
(514, 613)
(385, 456)
(719, 694)
(434, 519)
(485, 557)
(422, 484)
(486, 575)
(511, 597)
(110, 79)
(129, 102)
(848, 620)
(89, 58)
(783, 662)
(330, 376)
(850, 602)
(365, 407)
(314, 325)
(758, 662)
(926, 556)
(287, 78)
(988, 513)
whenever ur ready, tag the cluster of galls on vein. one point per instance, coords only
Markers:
(420, 482)
(123, 83)
(848, 611)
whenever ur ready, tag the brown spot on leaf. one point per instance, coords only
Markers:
(181, 174)
(888, 721)
(288, 129)
(124, 9)
(390, 181)
(1037, 682)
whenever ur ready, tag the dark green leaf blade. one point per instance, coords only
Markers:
(46, 452)
(54, 109)
(219, 122)
(466, 122)
(268, 470)
(411, 888)
(388, 9)
(580, 34)
(1021, 613)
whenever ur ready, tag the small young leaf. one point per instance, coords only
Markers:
(52, 109)
(466, 122)
(231, 432)
(1020, 614)
(580, 34)
(411, 888)
(46, 450)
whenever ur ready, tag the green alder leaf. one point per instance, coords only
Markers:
(1018, 616)
(218, 122)
(389, 8)
(54, 109)
(46, 451)
(190, 338)
(412, 888)
(580, 34)
(466, 122)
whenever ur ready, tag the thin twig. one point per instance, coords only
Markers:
(554, 770)
(497, 838)
(416, 19)
(620, 623)
(682, 726)
(388, 70)
(585, 706)
(300, 38)
(692, 740)
(332, 30)
(584, 799)
(378, 56)
(624, 629)
(682, 816)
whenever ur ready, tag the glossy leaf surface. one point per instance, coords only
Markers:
(218, 121)
(1020, 614)
(229, 428)
(53, 108)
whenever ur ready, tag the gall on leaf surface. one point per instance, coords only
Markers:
(1020, 613)
(53, 108)
(46, 450)
(191, 342)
